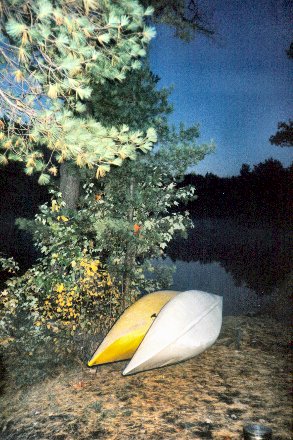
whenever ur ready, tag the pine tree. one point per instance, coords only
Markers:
(141, 194)
(52, 54)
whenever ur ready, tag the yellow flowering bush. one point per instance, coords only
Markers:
(91, 301)
(73, 289)
(54, 312)
(83, 299)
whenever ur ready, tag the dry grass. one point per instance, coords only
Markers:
(209, 397)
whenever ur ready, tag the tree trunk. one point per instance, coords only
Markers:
(129, 257)
(69, 184)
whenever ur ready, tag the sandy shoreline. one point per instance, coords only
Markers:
(244, 377)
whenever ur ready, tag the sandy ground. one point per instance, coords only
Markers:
(244, 377)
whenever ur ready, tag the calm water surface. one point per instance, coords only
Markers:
(249, 266)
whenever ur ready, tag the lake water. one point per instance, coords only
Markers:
(249, 266)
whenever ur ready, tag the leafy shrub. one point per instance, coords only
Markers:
(50, 319)
(82, 297)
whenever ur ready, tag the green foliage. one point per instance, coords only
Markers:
(8, 264)
(97, 259)
(126, 219)
(138, 103)
(65, 291)
(180, 149)
(52, 56)
(136, 209)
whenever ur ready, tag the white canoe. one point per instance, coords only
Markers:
(186, 326)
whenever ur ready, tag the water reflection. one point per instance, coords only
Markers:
(242, 263)
(212, 277)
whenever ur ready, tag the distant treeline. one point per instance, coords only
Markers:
(261, 195)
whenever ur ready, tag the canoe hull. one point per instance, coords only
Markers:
(186, 326)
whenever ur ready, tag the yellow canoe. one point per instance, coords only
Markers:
(127, 333)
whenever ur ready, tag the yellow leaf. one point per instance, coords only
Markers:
(31, 162)
(4, 161)
(53, 91)
(24, 37)
(7, 144)
(100, 172)
(62, 218)
(80, 160)
(57, 145)
(58, 17)
(55, 207)
(22, 55)
(18, 75)
(93, 266)
(31, 137)
(59, 288)
(90, 4)
(53, 170)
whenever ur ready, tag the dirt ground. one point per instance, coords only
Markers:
(243, 378)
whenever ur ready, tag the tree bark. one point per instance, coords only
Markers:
(129, 257)
(69, 184)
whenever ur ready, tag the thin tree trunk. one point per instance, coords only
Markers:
(129, 257)
(69, 184)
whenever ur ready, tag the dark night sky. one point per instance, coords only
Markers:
(237, 86)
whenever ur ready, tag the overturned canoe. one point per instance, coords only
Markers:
(127, 333)
(186, 326)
